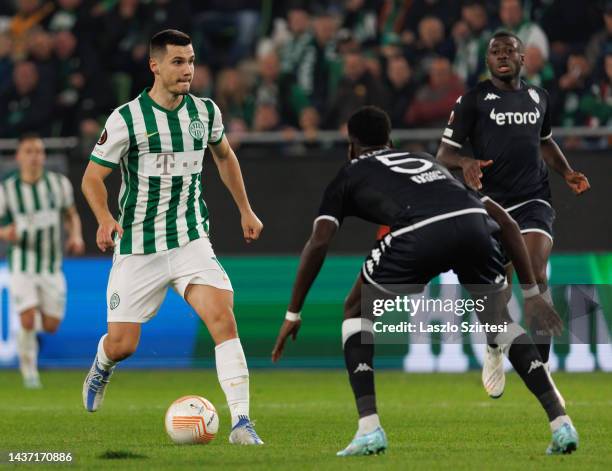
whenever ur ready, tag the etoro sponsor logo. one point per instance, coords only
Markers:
(510, 117)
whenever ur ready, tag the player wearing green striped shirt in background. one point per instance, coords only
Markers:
(160, 237)
(33, 204)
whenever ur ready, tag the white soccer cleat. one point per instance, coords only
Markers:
(94, 386)
(493, 375)
(547, 369)
(243, 433)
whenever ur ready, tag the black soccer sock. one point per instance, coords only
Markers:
(542, 341)
(527, 362)
(358, 357)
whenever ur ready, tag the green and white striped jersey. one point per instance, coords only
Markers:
(160, 153)
(36, 210)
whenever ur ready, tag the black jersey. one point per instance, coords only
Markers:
(397, 189)
(507, 128)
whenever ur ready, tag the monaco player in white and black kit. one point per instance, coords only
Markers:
(507, 123)
(437, 224)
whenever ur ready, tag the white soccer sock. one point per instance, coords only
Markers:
(104, 362)
(38, 322)
(368, 424)
(27, 347)
(559, 421)
(233, 377)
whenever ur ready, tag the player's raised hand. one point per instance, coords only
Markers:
(543, 316)
(75, 245)
(289, 328)
(251, 226)
(106, 231)
(472, 172)
(577, 181)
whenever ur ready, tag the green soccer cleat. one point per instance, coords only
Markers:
(564, 440)
(369, 444)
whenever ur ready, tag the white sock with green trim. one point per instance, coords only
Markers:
(233, 377)
(27, 347)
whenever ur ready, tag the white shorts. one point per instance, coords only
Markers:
(138, 283)
(45, 291)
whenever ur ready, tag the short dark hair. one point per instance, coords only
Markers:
(160, 40)
(28, 136)
(370, 126)
(506, 34)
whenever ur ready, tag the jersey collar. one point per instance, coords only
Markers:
(372, 153)
(145, 96)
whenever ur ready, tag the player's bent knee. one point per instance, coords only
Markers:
(50, 329)
(50, 324)
(27, 319)
(354, 326)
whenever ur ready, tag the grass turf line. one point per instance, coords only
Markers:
(433, 421)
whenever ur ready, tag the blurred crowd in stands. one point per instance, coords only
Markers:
(285, 65)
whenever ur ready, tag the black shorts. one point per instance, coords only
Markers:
(414, 255)
(534, 216)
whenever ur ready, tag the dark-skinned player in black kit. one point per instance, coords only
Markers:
(437, 224)
(507, 123)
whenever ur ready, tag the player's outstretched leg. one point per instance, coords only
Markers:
(120, 342)
(215, 308)
(527, 362)
(539, 247)
(543, 343)
(233, 377)
(358, 345)
(27, 348)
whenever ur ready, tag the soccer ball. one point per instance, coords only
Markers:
(191, 420)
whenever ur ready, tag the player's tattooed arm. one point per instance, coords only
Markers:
(72, 223)
(94, 189)
(554, 158)
(231, 175)
(312, 258)
(472, 168)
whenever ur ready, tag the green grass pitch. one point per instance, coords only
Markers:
(433, 421)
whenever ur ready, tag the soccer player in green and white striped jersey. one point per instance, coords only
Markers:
(33, 204)
(160, 237)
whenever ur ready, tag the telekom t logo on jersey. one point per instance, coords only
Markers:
(163, 160)
(167, 161)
